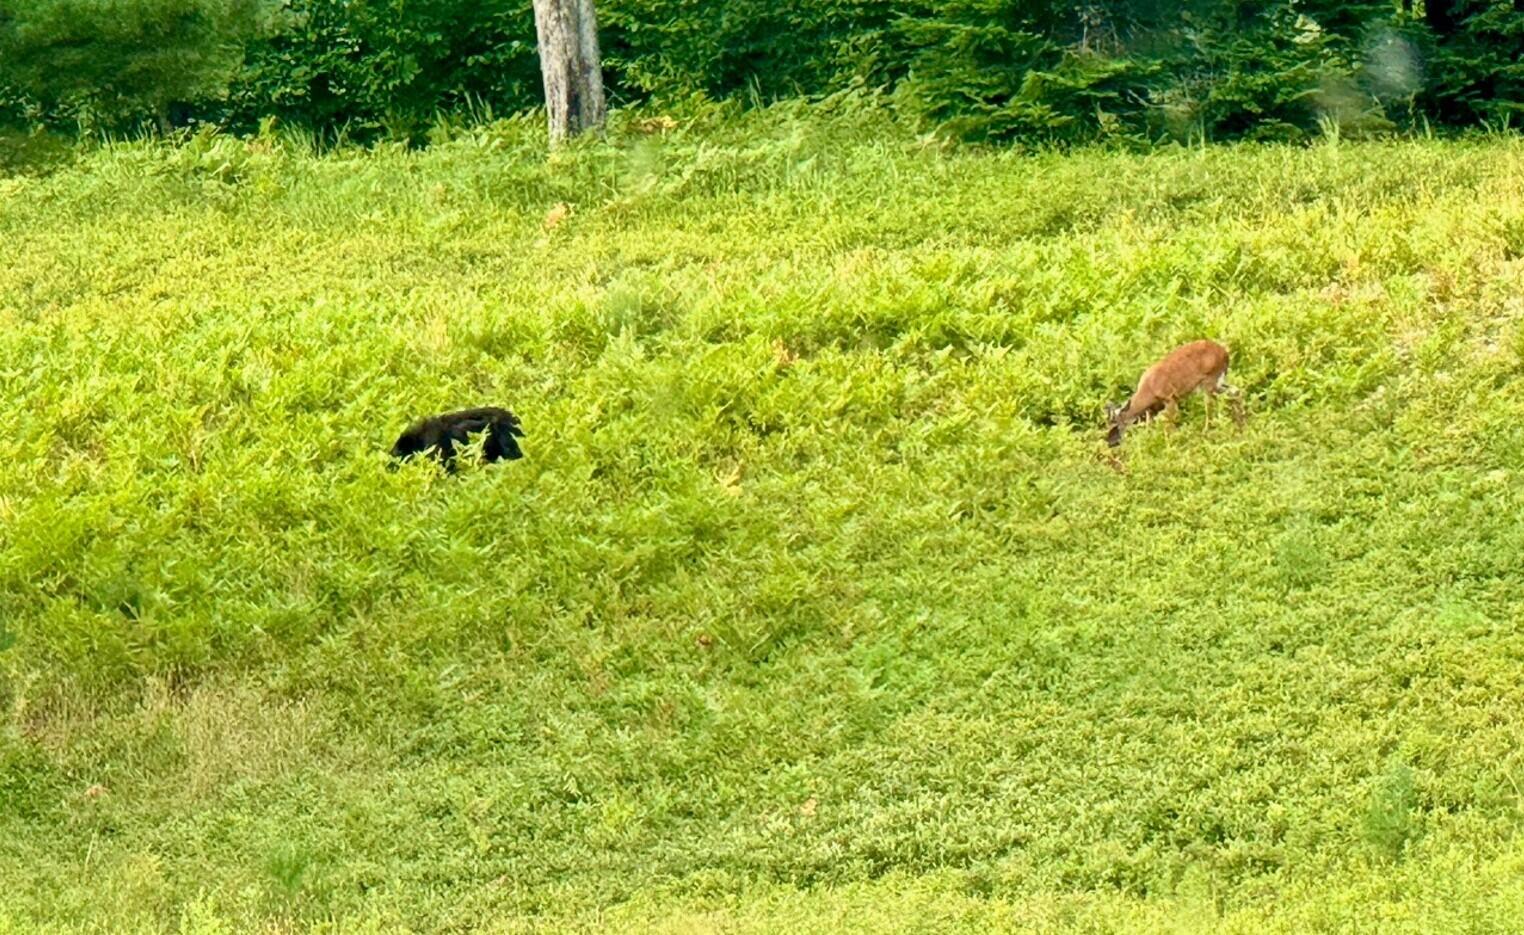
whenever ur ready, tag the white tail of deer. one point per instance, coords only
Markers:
(1199, 365)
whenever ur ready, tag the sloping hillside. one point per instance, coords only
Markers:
(816, 603)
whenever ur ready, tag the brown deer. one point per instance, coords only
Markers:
(1199, 365)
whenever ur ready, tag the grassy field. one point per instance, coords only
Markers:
(815, 604)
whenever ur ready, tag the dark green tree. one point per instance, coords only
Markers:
(119, 61)
(387, 65)
(1477, 62)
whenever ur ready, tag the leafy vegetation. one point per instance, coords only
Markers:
(1138, 71)
(1132, 71)
(815, 602)
(98, 61)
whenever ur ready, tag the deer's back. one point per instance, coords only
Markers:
(1185, 369)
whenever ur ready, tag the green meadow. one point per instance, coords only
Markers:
(817, 603)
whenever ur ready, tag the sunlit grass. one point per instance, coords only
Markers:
(815, 602)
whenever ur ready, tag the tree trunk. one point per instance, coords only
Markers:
(569, 61)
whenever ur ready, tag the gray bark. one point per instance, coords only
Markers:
(569, 61)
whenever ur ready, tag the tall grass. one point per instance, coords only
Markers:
(814, 599)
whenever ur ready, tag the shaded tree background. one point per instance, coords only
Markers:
(1140, 70)
(100, 61)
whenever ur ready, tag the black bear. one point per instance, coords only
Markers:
(438, 435)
